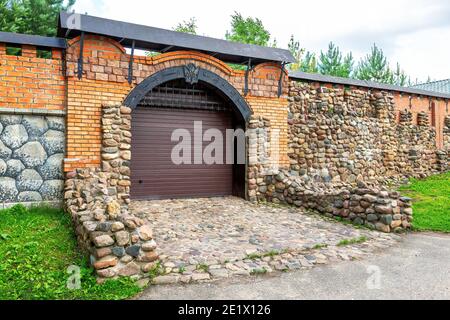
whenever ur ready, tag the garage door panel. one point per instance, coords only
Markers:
(154, 175)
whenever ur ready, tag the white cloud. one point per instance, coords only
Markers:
(415, 33)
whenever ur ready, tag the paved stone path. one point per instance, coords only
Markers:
(208, 239)
(416, 268)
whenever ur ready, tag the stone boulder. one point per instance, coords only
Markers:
(53, 141)
(5, 152)
(8, 190)
(3, 167)
(29, 196)
(36, 126)
(56, 123)
(32, 154)
(29, 180)
(15, 167)
(10, 119)
(52, 169)
(14, 136)
(51, 190)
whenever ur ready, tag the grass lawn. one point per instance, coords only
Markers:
(36, 247)
(431, 202)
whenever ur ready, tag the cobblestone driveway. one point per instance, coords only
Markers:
(204, 239)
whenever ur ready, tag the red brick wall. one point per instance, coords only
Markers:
(105, 81)
(30, 82)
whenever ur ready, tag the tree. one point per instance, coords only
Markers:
(332, 63)
(375, 67)
(305, 62)
(189, 26)
(400, 77)
(32, 16)
(247, 30)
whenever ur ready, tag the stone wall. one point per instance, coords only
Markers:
(118, 243)
(31, 158)
(350, 135)
(346, 147)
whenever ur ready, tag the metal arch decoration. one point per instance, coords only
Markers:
(192, 74)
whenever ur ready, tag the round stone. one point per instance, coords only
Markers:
(8, 190)
(14, 136)
(56, 123)
(52, 190)
(10, 119)
(35, 125)
(29, 196)
(15, 167)
(52, 169)
(3, 167)
(32, 154)
(5, 152)
(53, 142)
(29, 180)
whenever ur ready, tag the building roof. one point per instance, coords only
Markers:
(40, 41)
(442, 86)
(161, 40)
(362, 83)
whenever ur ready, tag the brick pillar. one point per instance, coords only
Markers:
(28, 51)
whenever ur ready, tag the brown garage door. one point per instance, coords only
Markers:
(154, 176)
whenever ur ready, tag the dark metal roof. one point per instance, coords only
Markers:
(18, 38)
(362, 83)
(442, 86)
(155, 39)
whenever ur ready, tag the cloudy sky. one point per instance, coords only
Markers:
(416, 33)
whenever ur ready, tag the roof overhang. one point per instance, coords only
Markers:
(161, 40)
(40, 41)
(298, 75)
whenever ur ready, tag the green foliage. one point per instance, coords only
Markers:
(375, 67)
(347, 242)
(189, 26)
(247, 30)
(431, 204)
(37, 246)
(304, 60)
(32, 16)
(203, 267)
(320, 246)
(334, 64)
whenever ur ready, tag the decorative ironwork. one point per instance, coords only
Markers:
(280, 81)
(191, 73)
(180, 94)
(222, 85)
(130, 65)
(80, 58)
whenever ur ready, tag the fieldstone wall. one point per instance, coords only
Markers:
(447, 134)
(343, 135)
(345, 149)
(118, 243)
(31, 158)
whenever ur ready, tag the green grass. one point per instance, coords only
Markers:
(431, 202)
(37, 246)
(347, 242)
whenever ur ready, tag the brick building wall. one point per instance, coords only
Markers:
(105, 80)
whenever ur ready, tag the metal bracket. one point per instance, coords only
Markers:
(249, 68)
(80, 58)
(280, 81)
(130, 65)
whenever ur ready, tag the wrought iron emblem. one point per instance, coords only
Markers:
(191, 73)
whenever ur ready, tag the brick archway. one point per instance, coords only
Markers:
(192, 74)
